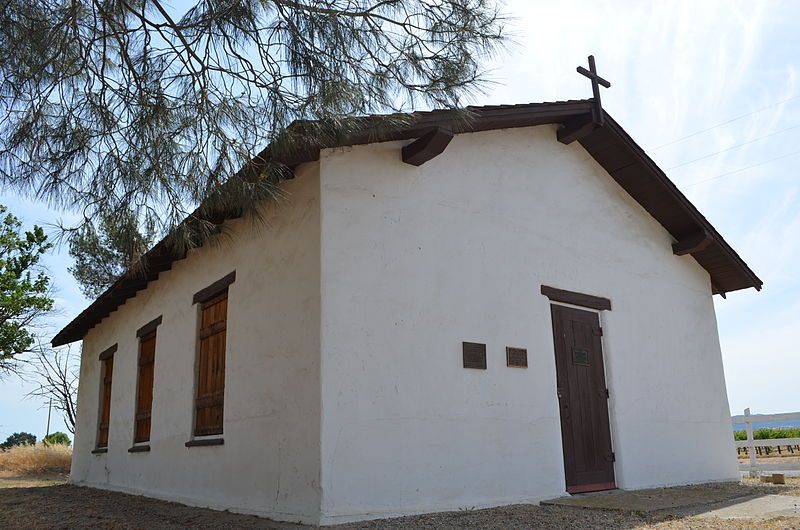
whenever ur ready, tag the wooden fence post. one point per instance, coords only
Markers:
(751, 449)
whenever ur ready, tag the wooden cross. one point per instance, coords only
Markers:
(591, 73)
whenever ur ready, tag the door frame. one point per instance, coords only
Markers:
(590, 304)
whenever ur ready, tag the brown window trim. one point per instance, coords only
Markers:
(574, 298)
(210, 366)
(205, 442)
(206, 294)
(146, 333)
(149, 327)
(139, 449)
(99, 450)
(107, 353)
(106, 384)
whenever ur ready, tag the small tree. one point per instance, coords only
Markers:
(57, 438)
(55, 372)
(24, 288)
(18, 438)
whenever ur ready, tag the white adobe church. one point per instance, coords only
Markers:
(452, 315)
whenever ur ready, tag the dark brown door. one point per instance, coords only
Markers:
(583, 400)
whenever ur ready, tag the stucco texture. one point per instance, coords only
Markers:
(345, 394)
(269, 463)
(417, 260)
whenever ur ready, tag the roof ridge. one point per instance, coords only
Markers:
(609, 145)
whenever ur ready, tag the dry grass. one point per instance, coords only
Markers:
(36, 459)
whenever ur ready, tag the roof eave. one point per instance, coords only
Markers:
(688, 206)
(161, 257)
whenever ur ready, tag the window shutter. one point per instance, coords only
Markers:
(209, 404)
(144, 399)
(105, 401)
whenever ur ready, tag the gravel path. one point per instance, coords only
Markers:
(30, 504)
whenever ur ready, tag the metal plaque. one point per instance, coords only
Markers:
(517, 357)
(474, 355)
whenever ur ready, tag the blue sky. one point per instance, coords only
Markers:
(676, 68)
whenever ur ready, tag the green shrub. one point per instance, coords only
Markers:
(18, 438)
(769, 433)
(57, 437)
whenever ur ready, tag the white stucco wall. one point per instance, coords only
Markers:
(269, 463)
(345, 396)
(417, 260)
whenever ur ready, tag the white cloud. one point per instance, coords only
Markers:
(680, 67)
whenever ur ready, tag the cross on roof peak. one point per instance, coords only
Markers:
(591, 73)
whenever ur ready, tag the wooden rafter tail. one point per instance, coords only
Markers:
(427, 146)
(575, 129)
(692, 243)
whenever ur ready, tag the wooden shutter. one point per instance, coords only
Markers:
(211, 366)
(144, 399)
(105, 401)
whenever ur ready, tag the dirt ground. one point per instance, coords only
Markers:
(775, 458)
(47, 502)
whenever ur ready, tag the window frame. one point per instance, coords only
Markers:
(105, 393)
(145, 333)
(205, 298)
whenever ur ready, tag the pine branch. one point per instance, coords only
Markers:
(128, 106)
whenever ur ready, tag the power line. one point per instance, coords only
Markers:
(732, 147)
(787, 155)
(724, 123)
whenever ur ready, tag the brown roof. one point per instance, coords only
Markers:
(609, 145)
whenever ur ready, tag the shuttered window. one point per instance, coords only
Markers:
(211, 366)
(105, 401)
(144, 394)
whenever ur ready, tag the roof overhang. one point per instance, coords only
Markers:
(609, 145)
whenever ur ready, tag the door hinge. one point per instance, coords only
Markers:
(607, 394)
(611, 457)
(598, 331)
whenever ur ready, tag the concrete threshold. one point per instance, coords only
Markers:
(723, 500)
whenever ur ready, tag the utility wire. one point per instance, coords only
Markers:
(732, 147)
(648, 150)
(787, 155)
(725, 123)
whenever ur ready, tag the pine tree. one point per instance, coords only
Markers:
(103, 253)
(130, 106)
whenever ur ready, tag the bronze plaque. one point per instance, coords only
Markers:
(474, 355)
(516, 357)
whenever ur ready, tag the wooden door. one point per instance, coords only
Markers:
(583, 400)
